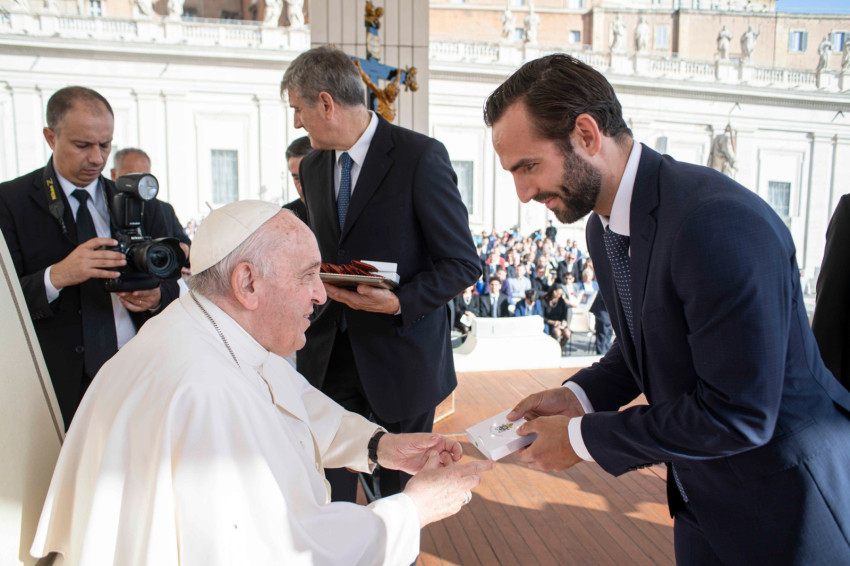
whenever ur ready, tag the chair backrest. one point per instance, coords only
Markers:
(31, 427)
(580, 321)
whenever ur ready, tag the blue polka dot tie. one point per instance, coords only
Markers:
(617, 247)
(344, 196)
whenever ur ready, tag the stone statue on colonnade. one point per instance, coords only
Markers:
(748, 43)
(641, 35)
(295, 13)
(824, 51)
(723, 39)
(508, 24)
(532, 24)
(618, 35)
(722, 156)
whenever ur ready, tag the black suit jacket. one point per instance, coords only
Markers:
(36, 242)
(831, 321)
(739, 400)
(405, 209)
(485, 306)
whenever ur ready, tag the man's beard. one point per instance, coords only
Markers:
(580, 189)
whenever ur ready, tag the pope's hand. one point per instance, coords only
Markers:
(409, 452)
(551, 450)
(558, 401)
(439, 491)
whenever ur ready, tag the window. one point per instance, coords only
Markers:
(575, 37)
(661, 144)
(519, 34)
(464, 171)
(662, 37)
(225, 175)
(779, 198)
(575, 4)
(839, 38)
(517, 2)
(798, 40)
(95, 8)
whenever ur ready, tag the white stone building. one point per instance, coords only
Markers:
(202, 98)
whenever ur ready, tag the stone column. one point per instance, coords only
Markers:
(815, 195)
(271, 135)
(29, 102)
(404, 43)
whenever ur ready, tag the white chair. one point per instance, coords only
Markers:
(582, 322)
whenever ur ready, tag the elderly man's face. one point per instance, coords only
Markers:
(287, 296)
(312, 119)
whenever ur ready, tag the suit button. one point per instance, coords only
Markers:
(80, 349)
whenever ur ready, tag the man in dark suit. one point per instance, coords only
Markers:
(831, 321)
(375, 191)
(130, 160)
(294, 154)
(54, 219)
(753, 426)
(495, 303)
(603, 329)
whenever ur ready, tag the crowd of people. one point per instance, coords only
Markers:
(531, 275)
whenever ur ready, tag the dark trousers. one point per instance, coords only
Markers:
(342, 384)
(604, 332)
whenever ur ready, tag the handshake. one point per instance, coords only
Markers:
(440, 485)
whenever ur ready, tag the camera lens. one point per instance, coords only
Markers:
(161, 260)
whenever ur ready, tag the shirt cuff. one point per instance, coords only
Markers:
(581, 396)
(51, 291)
(576, 441)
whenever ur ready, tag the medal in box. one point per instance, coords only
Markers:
(496, 437)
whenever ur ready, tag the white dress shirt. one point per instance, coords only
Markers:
(357, 152)
(620, 223)
(99, 210)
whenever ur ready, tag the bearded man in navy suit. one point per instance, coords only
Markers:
(752, 426)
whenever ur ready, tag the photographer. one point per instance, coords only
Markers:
(55, 220)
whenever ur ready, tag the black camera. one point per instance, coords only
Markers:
(149, 261)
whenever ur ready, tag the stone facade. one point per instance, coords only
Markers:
(190, 89)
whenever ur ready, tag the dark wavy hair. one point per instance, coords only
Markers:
(556, 89)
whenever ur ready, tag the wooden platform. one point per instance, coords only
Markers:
(520, 516)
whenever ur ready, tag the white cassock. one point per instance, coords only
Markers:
(179, 456)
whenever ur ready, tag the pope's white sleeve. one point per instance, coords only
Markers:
(244, 494)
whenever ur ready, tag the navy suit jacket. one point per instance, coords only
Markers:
(36, 242)
(404, 209)
(739, 399)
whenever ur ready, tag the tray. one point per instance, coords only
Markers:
(351, 281)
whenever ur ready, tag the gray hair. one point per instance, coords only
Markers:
(259, 249)
(324, 69)
(119, 156)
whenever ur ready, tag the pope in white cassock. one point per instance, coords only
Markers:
(199, 444)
